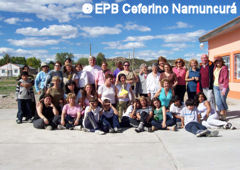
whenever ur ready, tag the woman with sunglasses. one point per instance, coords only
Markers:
(131, 78)
(180, 71)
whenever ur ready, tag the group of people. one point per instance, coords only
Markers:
(94, 99)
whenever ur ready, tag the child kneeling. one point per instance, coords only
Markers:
(190, 116)
(109, 118)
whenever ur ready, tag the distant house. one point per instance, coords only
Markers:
(224, 41)
(13, 70)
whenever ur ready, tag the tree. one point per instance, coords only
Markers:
(63, 56)
(100, 58)
(33, 62)
(18, 60)
(51, 65)
(83, 61)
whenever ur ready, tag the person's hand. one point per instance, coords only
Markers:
(46, 122)
(75, 122)
(124, 96)
(196, 78)
(134, 117)
(62, 122)
(135, 105)
(193, 78)
(222, 93)
(138, 117)
(163, 124)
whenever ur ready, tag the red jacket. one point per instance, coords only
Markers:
(223, 79)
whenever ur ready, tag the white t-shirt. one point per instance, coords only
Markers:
(176, 110)
(108, 114)
(107, 93)
(128, 111)
(96, 112)
(82, 78)
(189, 115)
(91, 72)
(153, 84)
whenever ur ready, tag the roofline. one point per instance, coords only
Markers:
(214, 32)
(12, 64)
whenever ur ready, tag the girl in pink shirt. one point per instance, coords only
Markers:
(71, 114)
(100, 77)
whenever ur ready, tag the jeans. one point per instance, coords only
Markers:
(144, 116)
(69, 121)
(210, 96)
(24, 108)
(194, 127)
(39, 123)
(89, 121)
(220, 99)
(158, 123)
(108, 123)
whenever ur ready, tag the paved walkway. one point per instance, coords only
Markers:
(23, 147)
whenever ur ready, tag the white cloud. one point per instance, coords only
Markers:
(132, 26)
(23, 52)
(15, 20)
(180, 25)
(118, 1)
(33, 42)
(118, 45)
(61, 10)
(100, 30)
(170, 38)
(65, 31)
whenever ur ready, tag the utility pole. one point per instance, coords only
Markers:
(90, 49)
(133, 58)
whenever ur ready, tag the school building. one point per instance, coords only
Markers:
(224, 41)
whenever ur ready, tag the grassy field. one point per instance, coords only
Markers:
(7, 85)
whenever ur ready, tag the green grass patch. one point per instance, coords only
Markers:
(7, 89)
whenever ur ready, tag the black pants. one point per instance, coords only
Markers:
(144, 116)
(191, 95)
(180, 91)
(39, 123)
(24, 108)
(69, 121)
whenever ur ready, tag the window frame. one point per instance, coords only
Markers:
(234, 67)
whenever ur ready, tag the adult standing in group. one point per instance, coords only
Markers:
(192, 77)
(80, 77)
(92, 70)
(221, 86)
(141, 87)
(56, 72)
(161, 62)
(206, 78)
(153, 84)
(119, 68)
(130, 76)
(40, 80)
(107, 91)
(180, 71)
(101, 74)
(68, 73)
(168, 74)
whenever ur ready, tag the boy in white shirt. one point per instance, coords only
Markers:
(190, 117)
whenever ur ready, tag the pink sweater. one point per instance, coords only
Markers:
(223, 79)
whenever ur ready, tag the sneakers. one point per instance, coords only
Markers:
(86, 130)
(117, 130)
(202, 133)
(61, 127)
(213, 133)
(140, 127)
(150, 130)
(19, 121)
(227, 126)
(77, 127)
(99, 132)
(111, 130)
(48, 127)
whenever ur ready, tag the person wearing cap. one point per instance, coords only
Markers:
(92, 70)
(206, 79)
(153, 84)
(40, 80)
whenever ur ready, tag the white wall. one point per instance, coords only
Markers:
(13, 70)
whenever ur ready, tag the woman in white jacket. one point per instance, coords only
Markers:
(153, 84)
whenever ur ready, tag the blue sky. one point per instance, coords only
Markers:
(42, 28)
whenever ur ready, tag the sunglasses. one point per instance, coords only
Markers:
(57, 65)
(178, 62)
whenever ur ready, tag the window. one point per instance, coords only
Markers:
(226, 59)
(237, 66)
(3, 71)
(16, 71)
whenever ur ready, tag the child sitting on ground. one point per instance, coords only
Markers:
(71, 114)
(91, 121)
(190, 117)
(175, 109)
(24, 93)
(161, 120)
(109, 117)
